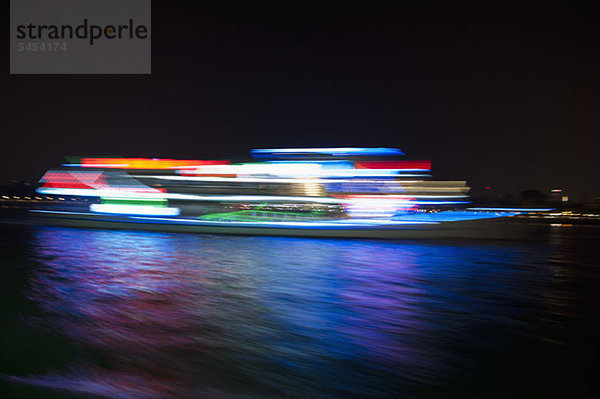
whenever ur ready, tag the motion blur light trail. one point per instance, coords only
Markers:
(307, 176)
(322, 188)
(143, 163)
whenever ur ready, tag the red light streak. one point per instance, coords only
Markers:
(146, 163)
(425, 165)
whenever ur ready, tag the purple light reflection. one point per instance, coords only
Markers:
(191, 314)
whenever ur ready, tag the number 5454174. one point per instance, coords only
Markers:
(43, 46)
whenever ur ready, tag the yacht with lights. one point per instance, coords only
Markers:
(313, 192)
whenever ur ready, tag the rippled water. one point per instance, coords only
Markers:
(151, 315)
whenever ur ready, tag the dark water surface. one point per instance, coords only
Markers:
(98, 313)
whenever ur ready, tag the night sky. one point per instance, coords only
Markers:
(505, 97)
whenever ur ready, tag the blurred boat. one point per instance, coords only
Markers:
(317, 192)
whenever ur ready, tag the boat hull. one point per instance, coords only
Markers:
(498, 228)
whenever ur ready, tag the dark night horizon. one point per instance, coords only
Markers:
(504, 97)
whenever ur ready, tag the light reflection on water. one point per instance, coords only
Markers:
(174, 315)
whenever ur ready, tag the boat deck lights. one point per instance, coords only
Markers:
(142, 210)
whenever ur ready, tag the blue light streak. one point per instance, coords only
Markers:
(511, 209)
(341, 151)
